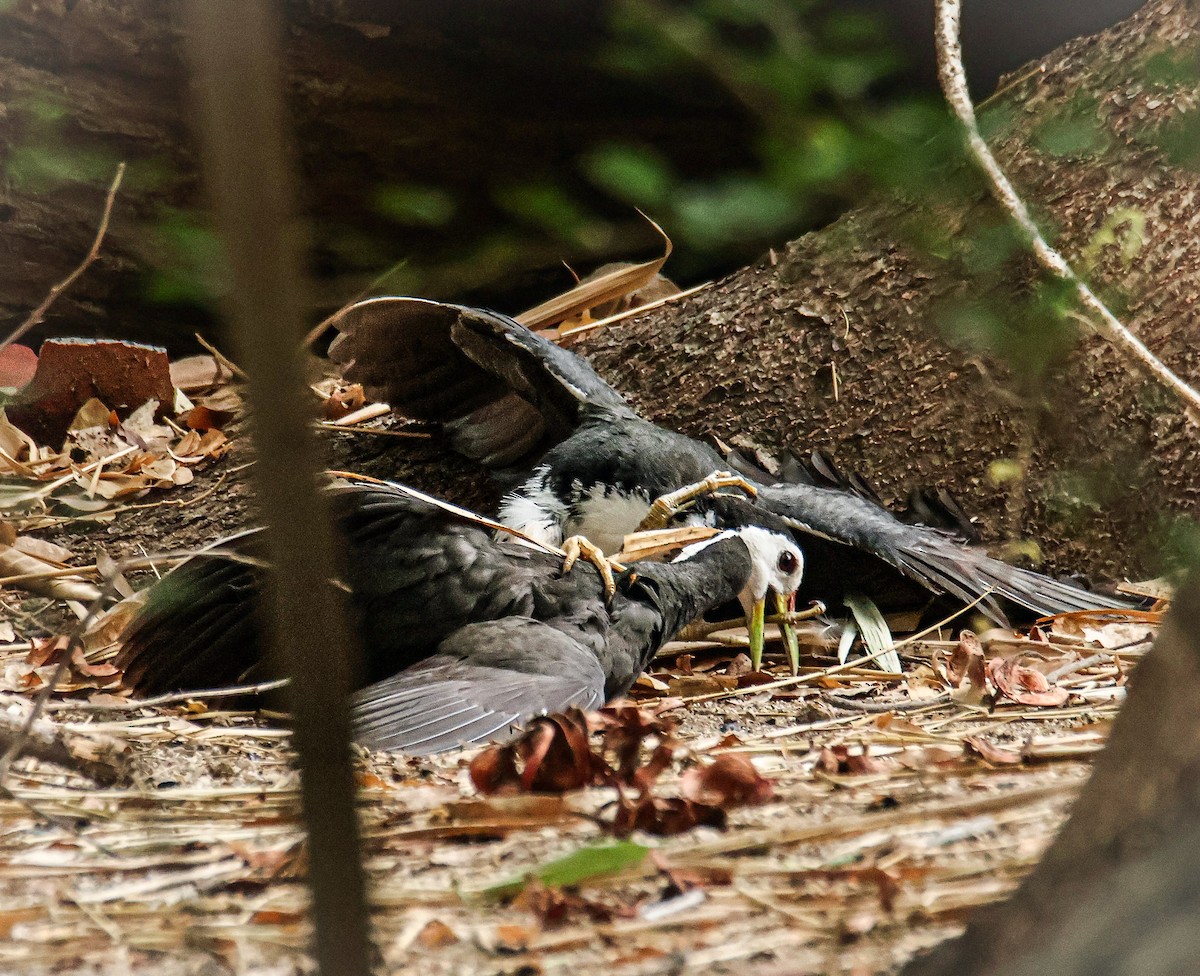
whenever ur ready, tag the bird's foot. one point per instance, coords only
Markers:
(667, 506)
(576, 546)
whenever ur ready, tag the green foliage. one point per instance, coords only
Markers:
(805, 72)
(1169, 69)
(41, 157)
(411, 204)
(1031, 332)
(190, 267)
(593, 861)
(1124, 230)
(1175, 541)
(1077, 131)
(554, 211)
(1179, 139)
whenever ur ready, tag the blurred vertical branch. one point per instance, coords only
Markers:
(234, 50)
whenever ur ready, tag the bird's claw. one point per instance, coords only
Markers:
(667, 506)
(576, 546)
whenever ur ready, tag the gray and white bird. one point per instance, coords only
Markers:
(584, 462)
(464, 636)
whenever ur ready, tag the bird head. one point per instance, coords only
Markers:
(776, 569)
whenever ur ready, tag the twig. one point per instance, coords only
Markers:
(882, 708)
(35, 317)
(26, 738)
(315, 333)
(702, 629)
(133, 704)
(805, 679)
(954, 85)
(1073, 666)
(234, 50)
(221, 358)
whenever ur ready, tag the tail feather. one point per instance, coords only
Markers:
(199, 629)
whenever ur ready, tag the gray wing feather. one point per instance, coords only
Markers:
(485, 680)
(504, 394)
(932, 557)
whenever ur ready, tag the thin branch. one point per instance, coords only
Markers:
(35, 317)
(954, 84)
(221, 358)
(234, 50)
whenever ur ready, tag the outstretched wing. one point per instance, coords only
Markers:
(504, 394)
(415, 572)
(485, 680)
(936, 560)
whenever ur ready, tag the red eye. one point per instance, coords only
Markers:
(788, 562)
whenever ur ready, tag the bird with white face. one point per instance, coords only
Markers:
(776, 571)
(465, 636)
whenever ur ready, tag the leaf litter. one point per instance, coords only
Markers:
(759, 827)
(837, 821)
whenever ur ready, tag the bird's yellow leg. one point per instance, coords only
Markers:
(576, 546)
(667, 506)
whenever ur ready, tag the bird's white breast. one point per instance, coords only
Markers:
(605, 519)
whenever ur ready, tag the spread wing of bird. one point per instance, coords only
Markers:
(485, 678)
(415, 571)
(935, 559)
(504, 394)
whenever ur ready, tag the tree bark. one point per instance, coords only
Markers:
(1106, 453)
(464, 99)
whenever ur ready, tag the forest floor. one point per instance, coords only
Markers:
(885, 828)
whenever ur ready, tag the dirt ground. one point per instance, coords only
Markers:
(884, 831)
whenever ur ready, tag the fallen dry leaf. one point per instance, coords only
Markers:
(839, 760)
(1024, 685)
(436, 935)
(664, 816)
(996, 755)
(728, 781)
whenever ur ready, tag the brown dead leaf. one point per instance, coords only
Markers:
(554, 907)
(1024, 685)
(683, 880)
(838, 760)
(274, 917)
(203, 418)
(46, 650)
(195, 373)
(989, 752)
(436, 935)
(552, 755)
(607, 284)
(279, 862)
(342, 400)
(511, 938)
(664, 816)
(728, 781)
(10, 917)
(692, 685)
(966, 661)
(81, 665)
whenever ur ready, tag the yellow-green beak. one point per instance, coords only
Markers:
(784, 605)
(756, 623)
